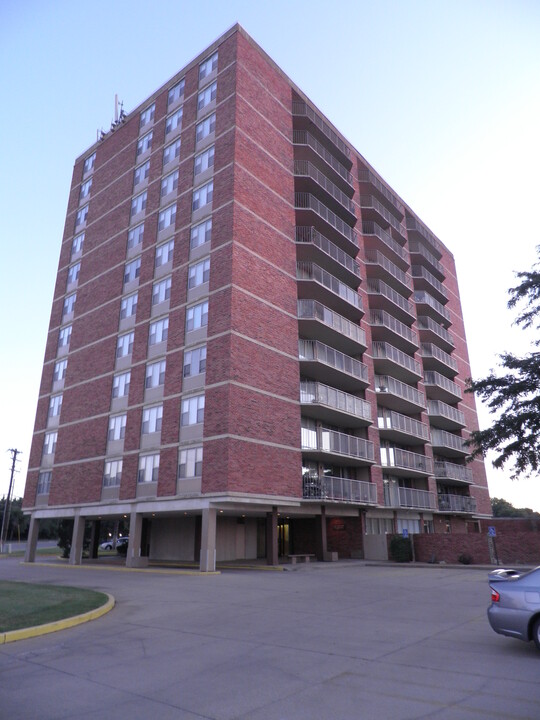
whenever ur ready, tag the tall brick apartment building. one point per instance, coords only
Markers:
(256, 348)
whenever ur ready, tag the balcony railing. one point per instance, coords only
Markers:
(369, 202)
(303, 168)
(337, 443)
(306, 234)
(416, 248)
(302, 137)
(300, 108)
(403, 423)
(457, 503)
(452, 471)
(414, 225)
(313, 310)
(383, 350)
(409, 498)
(371, 228)
(427, 323)
(374, 257)
(367, 176)
(339, 489)
(420, 272)
(424, 298)
(388, 384)
(428, 350)
(311, 271)
(434, 378)
(306, 201)
(442, 438)
(404, 459)
(442, 409)
(380, 318)
(318, 394)
(378, 287)
(319, 352)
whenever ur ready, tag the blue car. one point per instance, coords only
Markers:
(515, 604)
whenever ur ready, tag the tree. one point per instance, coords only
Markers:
(514, 395)
(502, 508)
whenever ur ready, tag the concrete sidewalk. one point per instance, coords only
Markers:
(331, 641)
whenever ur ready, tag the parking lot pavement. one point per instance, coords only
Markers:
(329, 642)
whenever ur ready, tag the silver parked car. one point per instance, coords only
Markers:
(515, 604)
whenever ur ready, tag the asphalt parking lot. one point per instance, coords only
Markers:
(326, 642)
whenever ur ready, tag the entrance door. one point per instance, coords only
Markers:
(283, 538)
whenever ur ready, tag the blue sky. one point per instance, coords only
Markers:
(442, 97)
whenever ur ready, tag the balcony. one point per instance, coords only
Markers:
(384, 297)
(368, 177)
(451, 471)
(388, 360)
(402, 428)
(301, 109)
(382, 323)
(319, 444)
(324, 363)
(415, 226)
(305, 172)
(396, 395)
(374, 233)
(431, 331)
(344, 265)
(457, 503)
(333, 406)
(372, 207)
(427, 305)
(423, 256)
(409, 498)
(344, 233)
(445, 416)
(409, 464)
(318, 322)
(317, 284)
(424, 280)
(339, 489)
(434, 358)
(447, 444)
(304, 140)
(379, 266)
(439, 387)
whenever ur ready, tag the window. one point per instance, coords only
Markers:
(89, 163)
(164, 253)
(201, 233)
(190, 463)
(44, 483)
(203, 195)
(112, 473)
(141, 173)
(64, 336)
(204, 160)
(197, 316)
(206, 96)
(121, 384)
(138, 204)
(69, 304)
(60, 370)
(147, 116)
(171, 152)
(73, 273)
(169, 183)
(155, 374)
(85, 189)
(174, 121)
(135, 236)
(117, 427)
(161, 291)
(208, 66)
(206, 127)
(199, 273)
(145, 143)
(77, 244)
(176, 92)
(124, 345)
(132, 270)
(151, 419)
(195, 361)
(159, 331)
(49, 443)
(81, 216)
(192, 410)
(148, 468)
(128, 307)
(167, 217)
(55, 405)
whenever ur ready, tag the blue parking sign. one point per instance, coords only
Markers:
(492, 532)
(405, 533)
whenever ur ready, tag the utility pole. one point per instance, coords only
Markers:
(7, 506)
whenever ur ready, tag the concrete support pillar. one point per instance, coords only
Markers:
(31, 543)
(322, 540)
(208, 540)
(133, 557)
(94, 539)
(272, 557)
(75, 555)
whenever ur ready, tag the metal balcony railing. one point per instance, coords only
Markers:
(452, 471)
(339, 489)
(392, 457)
(313, 310)
(388, 384)
(367, 176)
(428, 350)
(337, 443)
(437, 407)
(374, 257)
(300, 108)
(419, 271)
(414, 225)
(456, 503)
(427, 323)
(318, 394)
(441, 438)
(302, 137)
(409, 498)
(434, 378)
(306, 234)
(303, 168)
(371, 228)
(381, 318)
(424, 298)
(389, 352)
(311, 271)
(370, 202)
(392, 420)
(416, 248)
(307, 201)
(317, 351)
(378, 287)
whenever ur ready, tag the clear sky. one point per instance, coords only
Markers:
(442, 97)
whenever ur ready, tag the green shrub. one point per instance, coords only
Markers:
(400, 549)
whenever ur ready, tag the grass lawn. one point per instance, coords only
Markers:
(26, 604)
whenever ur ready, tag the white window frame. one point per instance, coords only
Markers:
(89, 163)
(169, 183)
(148, 468)
(164, 253)
(128, 306)
(64, 336)
(204, 160)
(174, 121)
(49, 443)
(208, 66)
(81, 216)
(199, 273)
(176, 92)
(85, 189)
(201, 233)
(190, 462)
(195, 361)
(192, 412)
(73, 273)
(69, 303)
(197, 316)
(172, 151)
(147, 115)
(206, 95)
(77, 244)
(152, 418)
(161, 291)
(145, 143)
(135, 236)
(205, 128)
(112, 473)
(124, 344)
(167, 217)
(55, 405)
(141, 173)
(138, 203)
(44, 483)
(60, 368)
(121, 383)
(117, 427)
(158, 331)
(203, 195)
(132, 270)
(155, 374)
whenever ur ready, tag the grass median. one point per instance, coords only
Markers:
(24, 605)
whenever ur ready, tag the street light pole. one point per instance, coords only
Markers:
(7, 506)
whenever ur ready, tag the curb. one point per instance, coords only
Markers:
(36, 630)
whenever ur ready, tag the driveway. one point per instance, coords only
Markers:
(329, 641)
